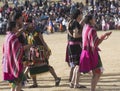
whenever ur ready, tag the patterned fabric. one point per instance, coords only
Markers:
(39, 63)
(89, 59)
(90, 38)
(12, 57)
(38, 56)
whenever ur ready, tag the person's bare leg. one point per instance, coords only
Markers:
(73, 77)
(12, 89)
(18, 87)
(95, 80)
(77, 75)
(34, 82)
(57, 79)
(71, 73)
(52, 71)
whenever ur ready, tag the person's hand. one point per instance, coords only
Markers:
(107, 35)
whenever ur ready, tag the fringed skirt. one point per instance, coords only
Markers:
(39, 62)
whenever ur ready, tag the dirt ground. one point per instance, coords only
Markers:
(110, 55)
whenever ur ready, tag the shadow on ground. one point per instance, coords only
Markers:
(108, 82)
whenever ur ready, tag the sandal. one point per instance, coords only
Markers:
(79, 86)
(57, 82)
(33, 86)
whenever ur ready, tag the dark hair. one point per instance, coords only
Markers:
(74, 24)
(11, 25)
(16, 16)
(88, 18)
(75, 14)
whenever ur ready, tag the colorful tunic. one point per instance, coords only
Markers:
(12, 57)
(37, 54)
(89, 59)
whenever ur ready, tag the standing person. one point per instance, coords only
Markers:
(18, 18)
(38, 57)
(118, 27)
(74, 47)
(12, 58)
(6, 5)
(103, 23)
(16, 3)
(69, 2)
(39, 3)
(90, 59)
(50, 26)
(87, 2)
(27, 4)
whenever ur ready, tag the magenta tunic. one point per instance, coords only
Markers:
(89, 57)
(12, 57)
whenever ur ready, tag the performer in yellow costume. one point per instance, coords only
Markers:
(38, 55)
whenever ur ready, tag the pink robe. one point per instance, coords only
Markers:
(89, 55)
(12, 57)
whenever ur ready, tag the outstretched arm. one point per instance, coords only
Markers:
(103, 37)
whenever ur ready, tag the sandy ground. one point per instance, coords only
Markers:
(110, 55)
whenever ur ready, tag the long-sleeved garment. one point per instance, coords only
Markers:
(89, 59)
(12, 57)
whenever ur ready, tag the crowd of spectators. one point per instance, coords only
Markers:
(54, 16)
(107, 13)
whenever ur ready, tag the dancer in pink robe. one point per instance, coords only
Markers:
(90, 59)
